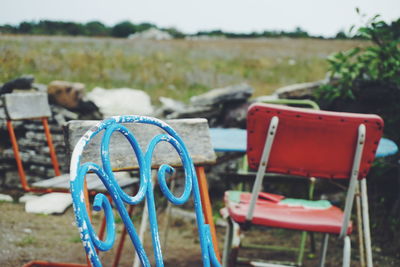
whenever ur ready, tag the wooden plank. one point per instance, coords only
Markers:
(93, 182)
(194, 132)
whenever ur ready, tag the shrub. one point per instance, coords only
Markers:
(368, 79)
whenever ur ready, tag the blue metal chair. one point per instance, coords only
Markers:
(104, 171)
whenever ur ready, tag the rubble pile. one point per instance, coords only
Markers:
(223, 107)
(33, 147)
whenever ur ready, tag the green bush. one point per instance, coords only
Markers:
(367, 79)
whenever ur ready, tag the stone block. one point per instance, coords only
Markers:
(23, 82)
(26, 197)
(239, 92)
(2, 113)
(49, 203)
(6, 198)
(11, 179)
(299, 90)
(121, 101)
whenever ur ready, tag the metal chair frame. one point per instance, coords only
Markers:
(33, 113)
(306, 103)
(30, 113)
(24, 183)
(78, 171)
(232, 240)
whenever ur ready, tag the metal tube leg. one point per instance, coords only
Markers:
(302, 248)
(227, 243)
(324, 248)
(207, 208)
(360, 227)
(367, 233)
(49, 139)
(312, 243)
(20, 167)
(346, 251)
(232, 259)
(121, 241)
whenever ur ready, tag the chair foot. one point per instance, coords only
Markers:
(231, 245)
(346, 251)
(367, 233)
(227, 242)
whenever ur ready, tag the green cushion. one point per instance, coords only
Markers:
(234, 196)
(310, 204)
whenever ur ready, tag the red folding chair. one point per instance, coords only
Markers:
(307, 143)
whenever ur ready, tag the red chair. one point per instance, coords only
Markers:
(307, 143)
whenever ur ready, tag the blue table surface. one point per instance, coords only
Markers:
(234, 140)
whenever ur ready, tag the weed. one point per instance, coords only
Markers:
(26, 241)
(75, 239)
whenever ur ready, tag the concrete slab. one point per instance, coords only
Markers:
(238, 92)
(26, 105)
(49, 203)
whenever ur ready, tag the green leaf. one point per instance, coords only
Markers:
(353, 52)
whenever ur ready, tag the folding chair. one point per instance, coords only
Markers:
(152, 144)
(35, 106)
(29, 106)
(304, 103)
(306, 143)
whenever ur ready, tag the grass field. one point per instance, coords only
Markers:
(177, 68)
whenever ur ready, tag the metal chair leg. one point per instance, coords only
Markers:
(367, 234)
(360, 227)
(227, 243)
(324, 248)
(346, 251)
(118, 253)
(207, 208)
(302, 248)
(232, 259)
(231, 244)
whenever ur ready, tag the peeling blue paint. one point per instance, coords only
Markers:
(78, 171)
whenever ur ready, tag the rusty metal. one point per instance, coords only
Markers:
(49, 139)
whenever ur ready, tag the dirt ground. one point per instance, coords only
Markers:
(25, 237)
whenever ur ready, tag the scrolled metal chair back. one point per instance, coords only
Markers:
(78, 170)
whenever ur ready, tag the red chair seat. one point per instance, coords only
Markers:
(272, 211)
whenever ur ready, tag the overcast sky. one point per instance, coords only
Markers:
(318, 17)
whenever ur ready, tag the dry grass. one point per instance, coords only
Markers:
(177, 68)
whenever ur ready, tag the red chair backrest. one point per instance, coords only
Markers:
(311, 143)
